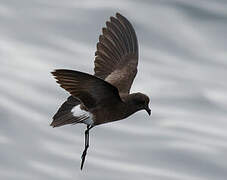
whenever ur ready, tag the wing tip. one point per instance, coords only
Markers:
(59, 71)
(52, 125)
(53, 72)
(56, 72)
(118, 14)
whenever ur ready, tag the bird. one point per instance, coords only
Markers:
(105, 96)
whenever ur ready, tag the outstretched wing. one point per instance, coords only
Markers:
(117, 53)
(90, 90)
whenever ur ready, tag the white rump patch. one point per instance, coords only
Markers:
(79, 112)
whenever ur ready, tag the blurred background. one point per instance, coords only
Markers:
(182, 67)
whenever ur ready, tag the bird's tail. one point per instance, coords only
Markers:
(64, 114)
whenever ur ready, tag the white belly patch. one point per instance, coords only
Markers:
(79, 112)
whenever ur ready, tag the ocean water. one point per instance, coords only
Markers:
(182, 67)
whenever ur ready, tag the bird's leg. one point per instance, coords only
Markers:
(86, 145)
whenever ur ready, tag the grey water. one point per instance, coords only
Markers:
(182, 67)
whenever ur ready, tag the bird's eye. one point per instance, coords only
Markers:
(139, 101)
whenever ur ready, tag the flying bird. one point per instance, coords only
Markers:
(105, 96)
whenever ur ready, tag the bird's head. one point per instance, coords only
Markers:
(142, 102)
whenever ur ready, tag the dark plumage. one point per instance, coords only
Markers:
(103, 97)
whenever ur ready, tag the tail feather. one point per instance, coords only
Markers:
(64, 115)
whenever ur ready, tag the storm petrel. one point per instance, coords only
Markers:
(105, 96)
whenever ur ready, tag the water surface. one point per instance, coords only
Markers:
(182, 67)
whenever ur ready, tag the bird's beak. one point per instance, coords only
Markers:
(148, 110)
